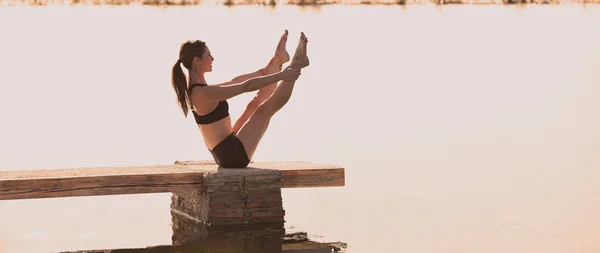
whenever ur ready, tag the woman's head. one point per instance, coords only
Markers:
(196, 58)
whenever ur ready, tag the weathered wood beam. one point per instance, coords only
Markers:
(294, 174)
(182, 176)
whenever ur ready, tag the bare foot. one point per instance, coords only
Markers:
(300, 58)
(281, 53)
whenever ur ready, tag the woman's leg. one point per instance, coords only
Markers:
(253, 130)
(281, 56)
(263, 94)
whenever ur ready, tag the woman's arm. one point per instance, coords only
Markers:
(244, 77)
(241, 78)
(214, 93)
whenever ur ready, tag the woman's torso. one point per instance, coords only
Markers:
(213, 120)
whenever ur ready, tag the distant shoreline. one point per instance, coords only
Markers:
(274, 3)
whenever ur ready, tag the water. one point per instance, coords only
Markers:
(461, 128)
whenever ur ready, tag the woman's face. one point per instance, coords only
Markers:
(205, 61)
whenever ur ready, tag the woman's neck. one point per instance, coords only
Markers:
(197, 78)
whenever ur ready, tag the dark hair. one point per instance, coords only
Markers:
(187, 52)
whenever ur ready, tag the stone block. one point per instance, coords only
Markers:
(228, 202)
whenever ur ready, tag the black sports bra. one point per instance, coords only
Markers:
(220, 112)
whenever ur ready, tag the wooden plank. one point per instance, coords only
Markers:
(181, 176)
(294, 174)
(95, 171)
(97, 185)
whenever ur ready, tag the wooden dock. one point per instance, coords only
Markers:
(208, 203)
(181, 176)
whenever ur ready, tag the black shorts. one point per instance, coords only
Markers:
(230, 153)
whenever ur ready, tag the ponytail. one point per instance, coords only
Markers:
(180, 86)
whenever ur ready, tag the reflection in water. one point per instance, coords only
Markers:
(248, 241)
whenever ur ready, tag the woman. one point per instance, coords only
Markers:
(234, 146)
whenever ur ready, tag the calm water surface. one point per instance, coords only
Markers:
(462, 129)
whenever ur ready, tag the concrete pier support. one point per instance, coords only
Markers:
(232, 201)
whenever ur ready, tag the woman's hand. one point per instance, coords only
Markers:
(289, 74)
